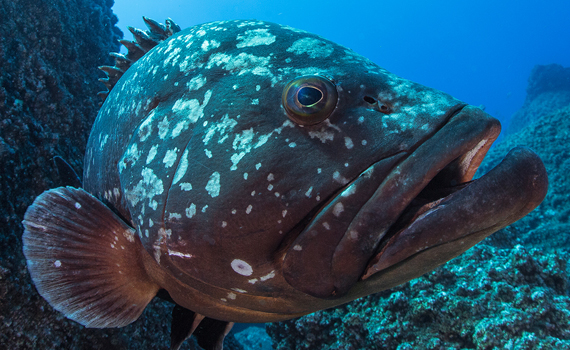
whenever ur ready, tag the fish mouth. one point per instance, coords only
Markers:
(442, 212)
(412, 212)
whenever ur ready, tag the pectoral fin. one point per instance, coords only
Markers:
(84, 260)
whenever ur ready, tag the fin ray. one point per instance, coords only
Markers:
(84, 260)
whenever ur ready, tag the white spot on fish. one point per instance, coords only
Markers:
(185, 186)
(348, 142)
(179, 254)
(57, 263)
(191, 109)
(182, 167)
(241, 267)
(270, 187)
(338, 209)
(204, 208)
(257, 166)
(364, 142)
(248, 209)
(213, 186)
(77, 205)
(297, 248)
(339, 178)
(232, 296)
(130, 157)
(163, 127)
(270, 177)
(191, 211)
(208, 153)
(170, 157)
(148, 187)
(245, 176)
(315, 48)
(239, 290)
(284, 212)
(326, 225)
(208, 45)
(353, 234)
(308, 193)
(103, 142)
(255, 37)
(225, 125)
(322, 135)
(151, 154)
(268, 276)
(292, 145)
(224, 224)
(174, 216)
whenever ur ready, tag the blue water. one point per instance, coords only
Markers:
(478, 51)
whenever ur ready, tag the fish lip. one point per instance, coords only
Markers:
(512, 197)
(455, 150)
(415, 231)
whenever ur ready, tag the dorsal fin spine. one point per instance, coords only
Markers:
(144, 41)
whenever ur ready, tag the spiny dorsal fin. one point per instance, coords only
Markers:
(84, 260)
(144, 41)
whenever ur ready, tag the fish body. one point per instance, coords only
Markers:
(257, 173)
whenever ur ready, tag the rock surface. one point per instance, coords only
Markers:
(254, 338)
(548, 90)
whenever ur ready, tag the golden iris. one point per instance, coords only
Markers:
(309, 99)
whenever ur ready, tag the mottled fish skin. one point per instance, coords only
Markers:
(194, 148)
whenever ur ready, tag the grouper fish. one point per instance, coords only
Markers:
(252, 172)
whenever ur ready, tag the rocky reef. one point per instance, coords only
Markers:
(509, 292)
(548, 90)
(487, 298)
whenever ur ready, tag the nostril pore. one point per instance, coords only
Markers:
(369, 100)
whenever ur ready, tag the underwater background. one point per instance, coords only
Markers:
(509, 292)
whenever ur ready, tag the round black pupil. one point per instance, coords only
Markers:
(309, 96)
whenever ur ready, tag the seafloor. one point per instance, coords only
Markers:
(509, 293)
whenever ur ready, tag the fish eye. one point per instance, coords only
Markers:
(309, 99)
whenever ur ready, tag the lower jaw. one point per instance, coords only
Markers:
(505, 194)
